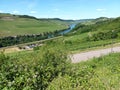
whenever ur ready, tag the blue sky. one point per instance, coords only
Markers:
(65, 9)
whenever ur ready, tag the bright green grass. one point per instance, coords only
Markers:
(22, 26)
(97, 74)
(78, 43)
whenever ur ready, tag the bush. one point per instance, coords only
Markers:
(32, 71)
(3, 58)
(103, 36)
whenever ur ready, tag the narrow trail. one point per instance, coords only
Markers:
(83, 56)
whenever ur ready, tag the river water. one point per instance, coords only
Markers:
(68, 30)
(62, 32)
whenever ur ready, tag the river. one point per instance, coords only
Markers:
(68, 30)
(62, 32)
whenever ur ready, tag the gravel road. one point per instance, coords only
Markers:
(83, 56)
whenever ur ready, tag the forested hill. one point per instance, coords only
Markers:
(12, 25)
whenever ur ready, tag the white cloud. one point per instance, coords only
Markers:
(15, 12)
(33, 12)
(56, 9)
(1, 11)
(101, 9)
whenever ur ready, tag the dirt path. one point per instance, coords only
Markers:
(83, 56)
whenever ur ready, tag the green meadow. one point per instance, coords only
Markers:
(14, 25)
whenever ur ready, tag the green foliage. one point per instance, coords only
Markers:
(84, 36)
(36, 48)
(103, 35)
(48, 67)
(79, 43)
(20, 39)
(60, 83)
(3, 58)
(32, 71)
(98, 74)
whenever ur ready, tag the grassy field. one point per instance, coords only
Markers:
(97, 74)
(13, 25)
(76, 43)
(49, 69)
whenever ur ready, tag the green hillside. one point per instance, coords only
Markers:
(99, 24)
(87, 36)
(11, 25)
(47, 67)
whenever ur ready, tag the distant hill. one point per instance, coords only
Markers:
(11, 25)
(99, 29)
(99, 24)
(68, 21)
(92, 21)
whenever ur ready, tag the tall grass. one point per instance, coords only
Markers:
(97, 74)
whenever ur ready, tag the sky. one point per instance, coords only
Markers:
(64, 9)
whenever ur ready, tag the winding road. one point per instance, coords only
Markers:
(83, 56)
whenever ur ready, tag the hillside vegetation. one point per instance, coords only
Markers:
(48, 67)
(97, 74)
(100, 24)
(101, 33)
(12, 25)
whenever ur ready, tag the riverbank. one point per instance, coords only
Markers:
(15, 40)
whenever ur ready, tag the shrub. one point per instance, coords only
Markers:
(32, 71)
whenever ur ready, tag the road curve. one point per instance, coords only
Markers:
(83, 56)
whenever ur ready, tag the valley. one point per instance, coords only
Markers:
(33, 61)
(12, 25)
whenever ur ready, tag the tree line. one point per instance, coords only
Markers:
(19, 39)
(103, 35)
